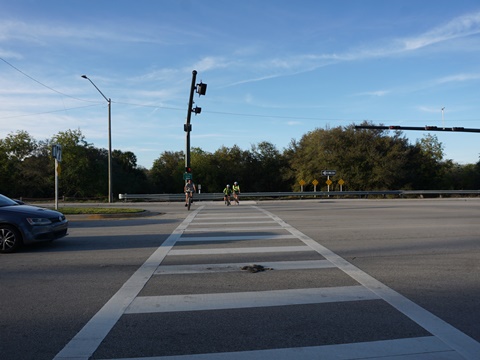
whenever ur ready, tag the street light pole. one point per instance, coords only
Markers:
(109, 139)
(443, 120)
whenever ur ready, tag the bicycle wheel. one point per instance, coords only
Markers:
(189, 202)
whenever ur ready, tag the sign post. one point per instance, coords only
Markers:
(328, 182)
(302, 182)
(57, 154)
(329, 173)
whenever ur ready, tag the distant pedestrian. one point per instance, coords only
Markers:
(236, 192)
(227, 192)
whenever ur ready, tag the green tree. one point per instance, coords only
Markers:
(84, 170)
(205, 170)
(19, 146)
(367, 159)
(126, 176)
(166, 175)
(229, 163)
(38, 173)
(19, 173)
(430, 169)
(265, 169)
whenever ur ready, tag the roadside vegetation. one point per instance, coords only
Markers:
(366, 159)
(98, 210)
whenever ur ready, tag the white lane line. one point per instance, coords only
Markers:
(250, 250)
(198, 223)
(236, 237)
(421, 348)
(232, 218)
(87, 340)
(200, 302)
(229, 227)
(453, 337)
(231, 267)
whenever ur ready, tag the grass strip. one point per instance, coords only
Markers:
(97, 210)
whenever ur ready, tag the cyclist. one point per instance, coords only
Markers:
(227, 192)
(236, 192)
(189, 189)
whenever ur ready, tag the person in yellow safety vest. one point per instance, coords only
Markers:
(226, 194)
(236, 192)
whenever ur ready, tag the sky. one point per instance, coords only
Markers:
(275, 70)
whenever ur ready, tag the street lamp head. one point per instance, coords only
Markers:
(84, 76)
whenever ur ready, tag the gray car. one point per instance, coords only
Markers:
(22, 224)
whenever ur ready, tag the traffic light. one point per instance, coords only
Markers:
(197, 110)
(188, 169)
(201, 89)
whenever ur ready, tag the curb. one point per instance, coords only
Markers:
(144, 213)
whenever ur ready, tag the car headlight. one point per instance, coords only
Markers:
(39, 221)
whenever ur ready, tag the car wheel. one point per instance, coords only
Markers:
(10, 239)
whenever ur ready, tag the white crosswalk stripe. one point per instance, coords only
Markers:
(201, 233)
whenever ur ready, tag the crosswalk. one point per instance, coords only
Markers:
(191, 300)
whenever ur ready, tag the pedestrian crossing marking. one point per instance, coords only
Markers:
(200, 302)
(447, 342)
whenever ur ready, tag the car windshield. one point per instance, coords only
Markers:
(5, 201)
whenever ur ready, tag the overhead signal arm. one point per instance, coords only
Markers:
(418, 128)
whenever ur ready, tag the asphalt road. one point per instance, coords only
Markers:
(343, 279)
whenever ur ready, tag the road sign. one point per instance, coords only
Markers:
(329, 172)
(315, 182)
(302, 182)
(341, 182)
(187, 176)
(328, 182)
(57, 152)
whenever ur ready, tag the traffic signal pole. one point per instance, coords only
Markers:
(201, 89)
(419, 128)
(188, 126)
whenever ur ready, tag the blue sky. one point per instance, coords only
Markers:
(275, 70)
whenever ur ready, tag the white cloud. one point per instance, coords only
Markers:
(458, 78)
(293, 123)
(430, 109)
(377, 93)
(462, 26)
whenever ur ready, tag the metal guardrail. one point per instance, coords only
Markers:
(296, 195)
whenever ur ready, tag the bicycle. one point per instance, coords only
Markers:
(190, 199)
(189, 189)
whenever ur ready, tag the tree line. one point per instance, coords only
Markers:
(365, 159)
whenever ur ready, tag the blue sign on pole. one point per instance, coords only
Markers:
(329, 172)
(57, 152)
